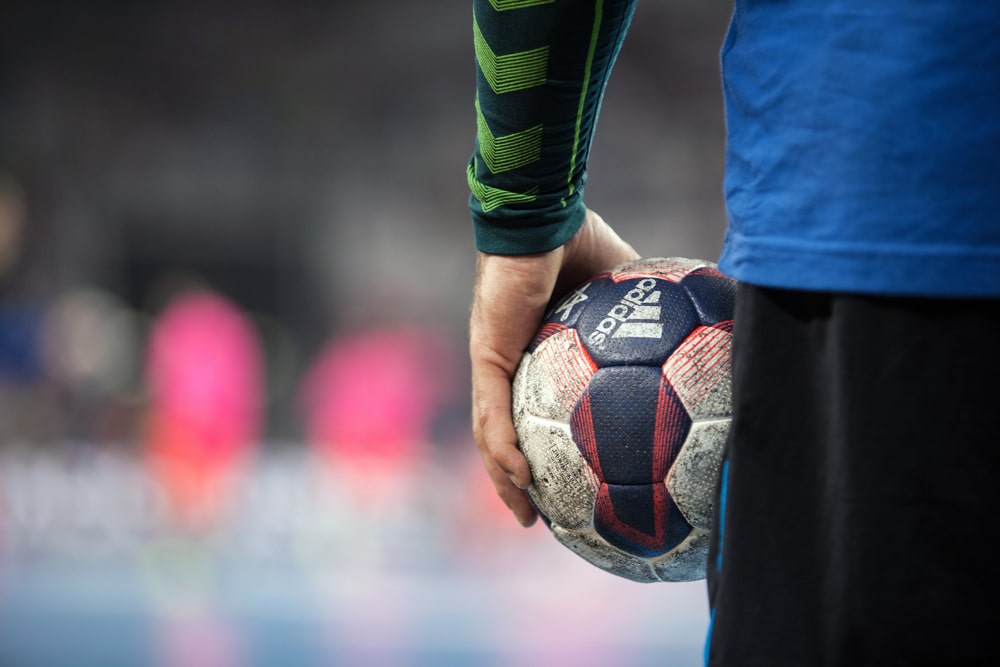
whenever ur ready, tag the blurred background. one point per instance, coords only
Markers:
(235, 270)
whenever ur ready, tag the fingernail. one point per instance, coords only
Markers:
(514, 481)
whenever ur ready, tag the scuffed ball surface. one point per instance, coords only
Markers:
(622, 405)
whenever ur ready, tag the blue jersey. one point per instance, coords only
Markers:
(863, 149)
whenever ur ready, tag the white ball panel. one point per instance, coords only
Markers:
(592, 548)
(693, 478)
(699, 370)
(553, 376)
(563, 486)
(522, 390)
(687, 561)
(669, 268)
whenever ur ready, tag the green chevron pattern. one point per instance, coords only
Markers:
(510, 151)
(491, 198)
(506, 5)
(513, 71)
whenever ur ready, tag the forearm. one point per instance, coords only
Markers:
(542, 67)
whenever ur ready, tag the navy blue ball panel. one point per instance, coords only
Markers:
(636, 321)
(641, 520)
(569, 309)
(713, 295)
(614, 423)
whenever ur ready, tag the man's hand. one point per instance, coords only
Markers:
(509, 301)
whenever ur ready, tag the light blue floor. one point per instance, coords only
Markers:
(299, 575)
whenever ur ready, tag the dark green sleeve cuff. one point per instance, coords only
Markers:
(528, 232)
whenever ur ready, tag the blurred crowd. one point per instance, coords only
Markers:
(303, 161)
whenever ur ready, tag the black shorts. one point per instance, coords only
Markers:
(859, 500)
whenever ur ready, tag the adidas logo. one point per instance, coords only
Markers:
(636, 315)
(566, 307)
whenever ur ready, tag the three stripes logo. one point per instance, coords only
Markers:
(636, 315)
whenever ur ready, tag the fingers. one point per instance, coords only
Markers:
(510, 297)
(496, 438)
(492, 425)
(509, 300)
(608, 248)
(596, 247)
(518, 503)
(514, 498)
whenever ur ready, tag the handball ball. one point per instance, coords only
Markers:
(621, 405)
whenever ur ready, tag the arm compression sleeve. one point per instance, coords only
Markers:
(542, 67)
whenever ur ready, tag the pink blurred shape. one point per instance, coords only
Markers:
(198, 640)
(372, 397)
(204, 376)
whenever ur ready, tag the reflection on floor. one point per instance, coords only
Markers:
(308, 564)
